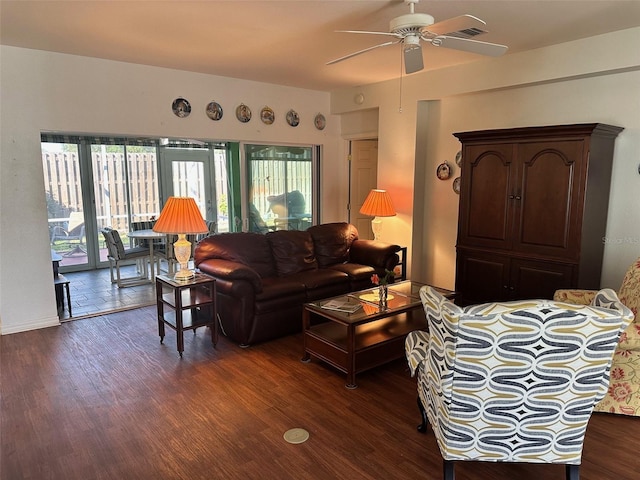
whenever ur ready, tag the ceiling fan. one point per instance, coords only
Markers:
(412, 28)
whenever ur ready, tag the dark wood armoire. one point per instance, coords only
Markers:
(533, 210)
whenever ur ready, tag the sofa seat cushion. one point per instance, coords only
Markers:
(279, 287)
(292, 251)
(321, 278)
(332, 242)
(322, 283)
(280, 295)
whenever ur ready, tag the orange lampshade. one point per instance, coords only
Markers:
(180, 215)
(378, 204)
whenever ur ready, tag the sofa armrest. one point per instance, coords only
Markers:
(374, 253)
(230, 271)
(577, 297)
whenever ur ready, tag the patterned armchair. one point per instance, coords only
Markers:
(623, 396)
(515, 381)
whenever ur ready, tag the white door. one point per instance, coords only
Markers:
(188, 173)
(363, 178)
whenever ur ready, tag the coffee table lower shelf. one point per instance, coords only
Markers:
(353, 349)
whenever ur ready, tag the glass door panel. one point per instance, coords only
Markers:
(64, 195)
(199, 173)
(280, 186)
(125, 188)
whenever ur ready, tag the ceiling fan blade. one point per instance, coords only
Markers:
(455, 24)
(362, 51)
(388, 34)
(413, 59)
(473, 46)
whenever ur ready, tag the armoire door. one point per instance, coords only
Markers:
(481, 277)
(486, 209)
(538, 279)
(548, 198)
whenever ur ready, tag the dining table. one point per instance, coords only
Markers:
(149, 235)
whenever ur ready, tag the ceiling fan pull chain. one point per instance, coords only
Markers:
(401, 75)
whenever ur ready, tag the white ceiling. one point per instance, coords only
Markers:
(289, 42)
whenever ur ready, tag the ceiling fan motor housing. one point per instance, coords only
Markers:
(410, 23)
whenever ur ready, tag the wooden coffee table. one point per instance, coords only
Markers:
(370, 336)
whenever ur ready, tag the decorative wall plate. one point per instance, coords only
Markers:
(456, 185)
(320, 122)
(181, 107)
(459, 158)
(267, 116)
(214, 111)
(444, 171)
(292, 118)
(243, 113)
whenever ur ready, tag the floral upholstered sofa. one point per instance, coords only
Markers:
(623, 396)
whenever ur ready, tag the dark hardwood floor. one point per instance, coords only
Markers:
(100, 398)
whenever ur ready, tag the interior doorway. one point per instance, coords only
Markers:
(363, 176)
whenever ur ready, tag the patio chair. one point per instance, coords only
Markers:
(514, 381)
(118, 257)
(75, 231)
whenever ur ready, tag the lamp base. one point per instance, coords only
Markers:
(184, 275)
(182, 252)
(376, 227)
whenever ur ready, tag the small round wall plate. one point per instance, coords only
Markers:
(456, 185)
(444, 171)
(181, 107)
(243, 113)
(459, 158)
(214, 111)
(293, 118)
(267, 115)
(320, 122)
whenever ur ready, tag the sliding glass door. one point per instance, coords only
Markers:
(95, 183)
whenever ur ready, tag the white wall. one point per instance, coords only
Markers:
(591, 80)
(43, 91)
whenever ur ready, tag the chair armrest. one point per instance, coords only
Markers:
(416, 346)
(230, 271)
(577, 297)
(374, 254)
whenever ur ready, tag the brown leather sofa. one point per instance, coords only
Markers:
(264, 279)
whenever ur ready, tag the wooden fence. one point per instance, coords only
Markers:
(110, 183)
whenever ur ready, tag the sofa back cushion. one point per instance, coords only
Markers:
(292, 251)
(332, 241)
(251, 249)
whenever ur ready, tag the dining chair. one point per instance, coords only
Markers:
(119, 256)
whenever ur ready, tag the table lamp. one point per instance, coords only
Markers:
(377, 204)
(181, 216)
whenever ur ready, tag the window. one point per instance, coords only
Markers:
(281, 185)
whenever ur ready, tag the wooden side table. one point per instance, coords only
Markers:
(182, 300)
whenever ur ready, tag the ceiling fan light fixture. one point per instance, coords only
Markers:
(411, 42)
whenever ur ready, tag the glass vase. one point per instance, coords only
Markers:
(382, 295)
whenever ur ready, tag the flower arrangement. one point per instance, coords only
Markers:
(382, 281)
